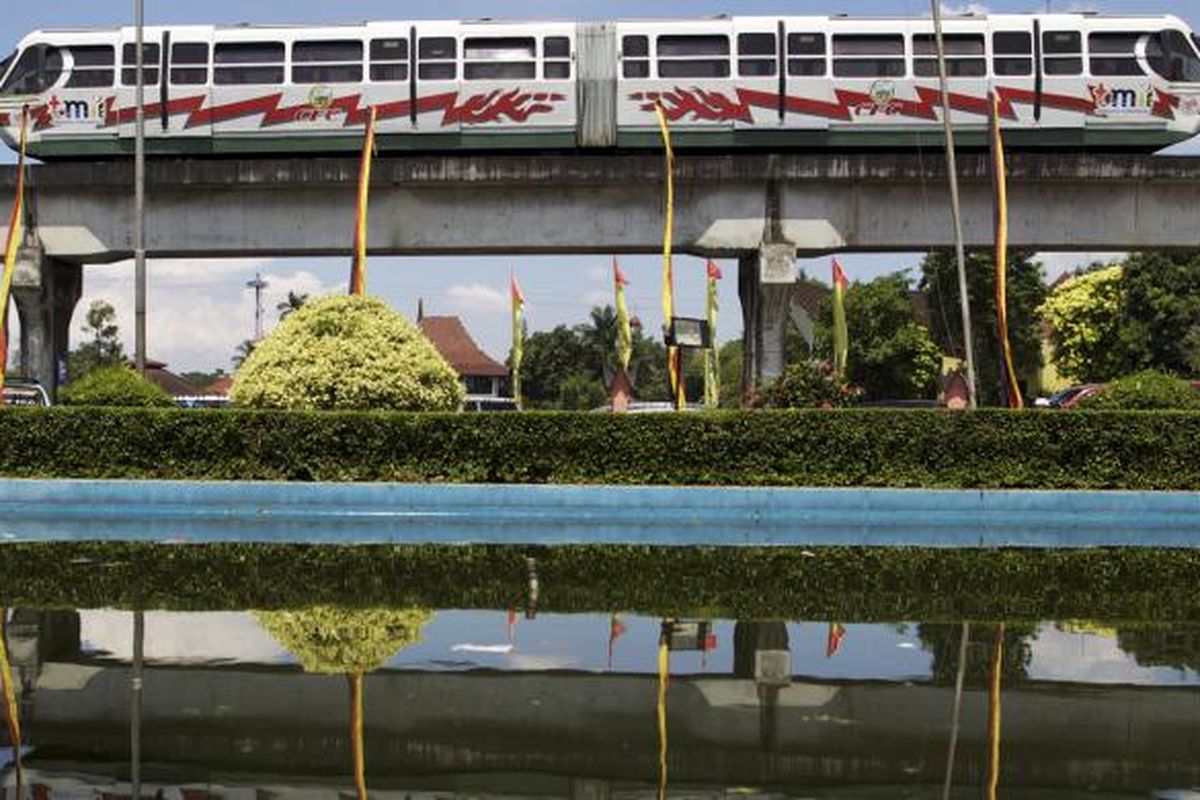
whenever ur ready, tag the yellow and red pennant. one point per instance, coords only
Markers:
(624, 332)
(833, 640)
(16, 222)
(1008, 374)
(674, 355)
(841, 336)
(358, 267)
(518, 334)
(712, 364)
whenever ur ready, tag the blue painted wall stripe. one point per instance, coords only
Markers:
(183, 511)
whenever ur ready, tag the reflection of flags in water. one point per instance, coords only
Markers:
(358, 267)
(712, 366)
(664, 675)
(15, 224)
(833, 641)
(624, 334)
(616, 629)
(12, 717)
(512, 624)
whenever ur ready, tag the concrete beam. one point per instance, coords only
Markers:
(528, 203)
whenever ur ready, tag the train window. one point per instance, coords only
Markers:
(256, 63)
(557, 52)
(964, 55)
(1170, 54)
(150, 60)
(635, 54)
(4, 65)
(327, 62)
(92, 67)
(1064, 53)
(806, 54)
(756, 44)
(1012, 53)
(1111, 54)
(389, 60)
(193, 54)
(705, 56)
(438, 56)
(499, 58)
(38, 68)
(868, 56)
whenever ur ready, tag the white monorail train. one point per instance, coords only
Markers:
(1062, 80)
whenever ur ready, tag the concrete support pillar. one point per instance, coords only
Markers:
(765, 282)
(46, 292)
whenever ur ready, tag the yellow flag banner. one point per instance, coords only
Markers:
(664, 673)
(518, 334)
(12, 717)
(16, 222)
(358, 267)
(624, 333)
(1008, 374)
(712, 363)
(674, 356)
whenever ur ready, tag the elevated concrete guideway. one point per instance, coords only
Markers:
(764, 209)
(728, 205)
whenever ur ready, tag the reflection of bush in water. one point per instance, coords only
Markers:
(334, 640)
(1175, 646)
(943, 639)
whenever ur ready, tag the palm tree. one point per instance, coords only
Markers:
(243, 352)
(293, 302)
(599, 338)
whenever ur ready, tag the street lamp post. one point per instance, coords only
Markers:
(139, 198)
(258, 284)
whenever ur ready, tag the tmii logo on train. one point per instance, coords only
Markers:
(1121, 100)
(66, 112)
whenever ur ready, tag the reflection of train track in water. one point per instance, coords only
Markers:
(1062, 80)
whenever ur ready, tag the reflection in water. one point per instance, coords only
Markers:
(770, 712)
(12, 715)
(997, 661)
(350, 642)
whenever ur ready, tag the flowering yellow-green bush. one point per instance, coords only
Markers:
(347, 352)
(344, 641)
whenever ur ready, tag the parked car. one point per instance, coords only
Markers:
(25, 392)
(1070, 397)
(487, 402)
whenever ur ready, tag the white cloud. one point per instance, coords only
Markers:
(978, 9)
(198, 311)
(598, 273)
(477, 298)
(598, 298)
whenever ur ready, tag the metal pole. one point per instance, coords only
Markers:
(258, 284)
(135, 700)
(139, 200)
(957, 712)
(955, 206)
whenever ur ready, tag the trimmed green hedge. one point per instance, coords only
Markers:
(861, 447)
(850, 584)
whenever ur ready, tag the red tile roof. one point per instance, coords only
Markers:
(220, 386)
(451, 339)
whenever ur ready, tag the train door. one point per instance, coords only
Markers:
(177, 107)
(965, 45)
(686, 66)
(76, 81)
(870, 76)
(391, 78)
(1013, 47)
(1062, 99)
(809, 102)
(759, 74)
(324, 98)
(125, 104)
(437, 82)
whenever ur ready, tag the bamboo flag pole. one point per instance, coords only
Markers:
(674, 356)
(358, 267)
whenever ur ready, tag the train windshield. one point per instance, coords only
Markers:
(4, 65)
(37, 70)
(1172, 56)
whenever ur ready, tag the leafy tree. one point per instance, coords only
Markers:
(103, 347)
(731, 374)
(1148, 389)
(116, 385)
(347, 352)
(810, 384)
(550, 358)
(1161, 311)
(292, 302)
(599, 339)
(580, 392)
(891, 355)
(1026, 292)
(1084, 314)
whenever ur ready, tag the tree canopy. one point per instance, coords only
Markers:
(332, 640)
(1084, 314)
(347, 352)
(102, 348)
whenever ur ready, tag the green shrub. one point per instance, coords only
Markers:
(113, 386)
(810, 384)
(1145, 390)
(841, 447)
(341, 641)
(347, 352)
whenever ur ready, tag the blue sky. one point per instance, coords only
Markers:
(199, 311)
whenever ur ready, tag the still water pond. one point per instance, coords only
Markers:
(499, 704)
